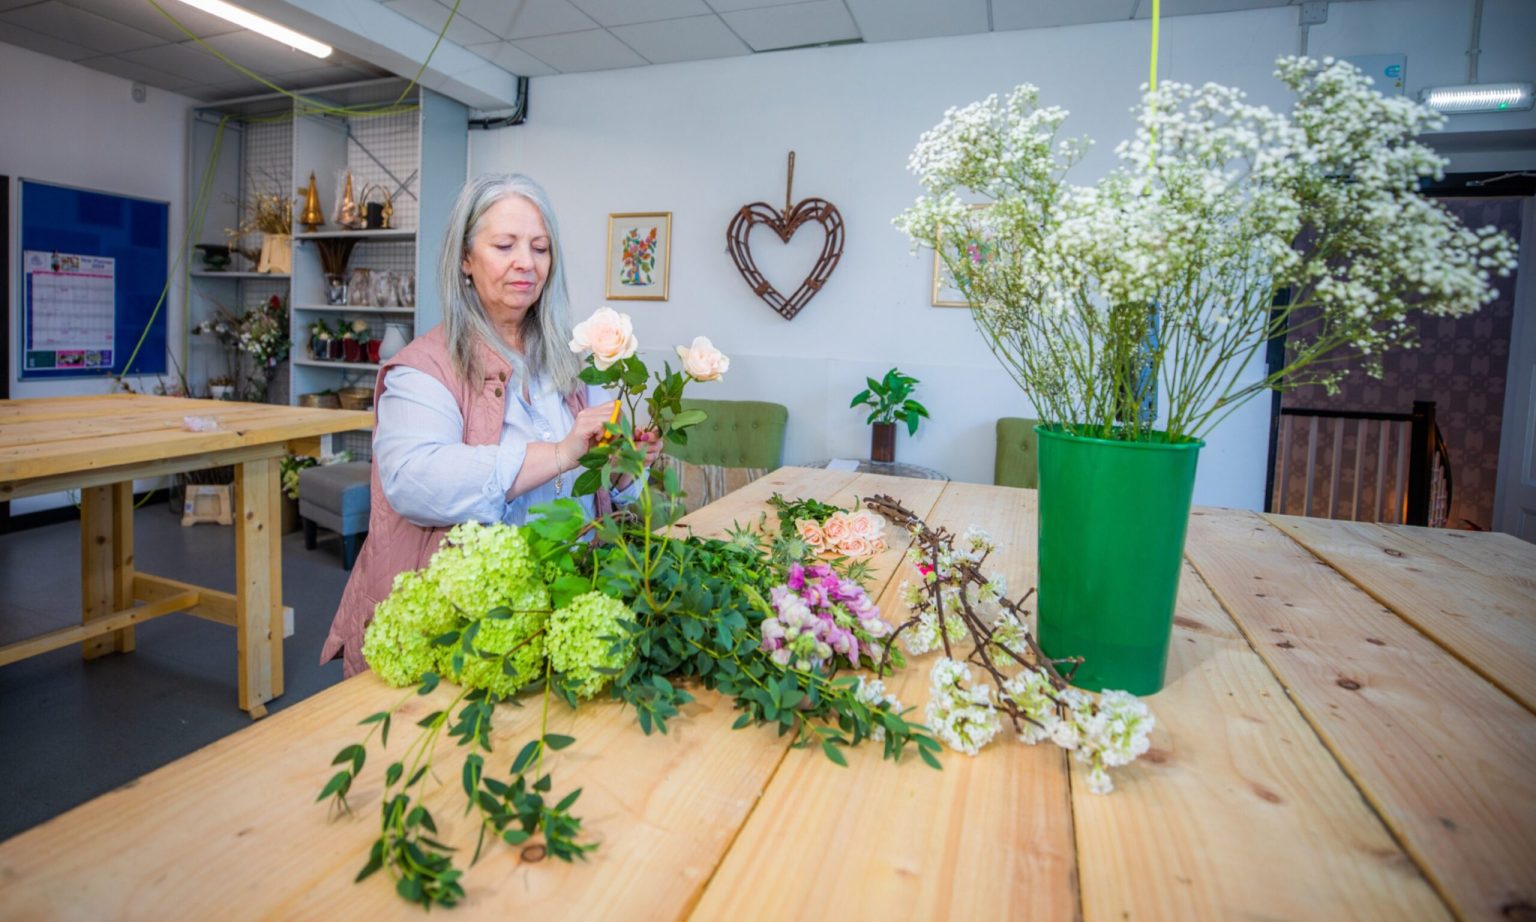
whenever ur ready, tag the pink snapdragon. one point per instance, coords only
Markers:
(819, 615)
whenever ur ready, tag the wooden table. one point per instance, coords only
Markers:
(1344, 737)
(100, 445)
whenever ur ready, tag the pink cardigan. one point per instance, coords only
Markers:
(394, 544)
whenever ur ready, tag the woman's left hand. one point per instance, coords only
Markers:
(651, 440)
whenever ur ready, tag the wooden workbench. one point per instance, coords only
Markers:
(1343, 736)
(99, 445)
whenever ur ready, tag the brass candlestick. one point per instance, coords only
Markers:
(346, 215)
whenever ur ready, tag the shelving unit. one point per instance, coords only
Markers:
(419, 156)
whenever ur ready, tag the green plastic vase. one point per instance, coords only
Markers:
(1113, 516)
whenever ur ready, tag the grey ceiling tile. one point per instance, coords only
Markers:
(628, 12)
(895, 20)
(730, 6)
(692, 39)
(1190, 7)
(79, 27)
(794, 25)
(233, 89)
(140, 15)
(513, 59)
(513, 19)
(431, 14)
(140, 73)
(187, 60)
(1038, 14)
(263, 55)
(43, 44)
(581, 51)
(13, 4)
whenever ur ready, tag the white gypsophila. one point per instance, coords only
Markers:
(924, 636)
(1166, 270)
(1031, 692)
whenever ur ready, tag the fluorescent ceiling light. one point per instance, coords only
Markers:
(1478, 97)
(267, 27)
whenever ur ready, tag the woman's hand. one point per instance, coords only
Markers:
(651, 440)
(587, 429)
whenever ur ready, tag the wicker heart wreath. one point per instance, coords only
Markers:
(784, 224)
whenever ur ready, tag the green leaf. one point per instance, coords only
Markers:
(430, 718)
(393, 773)
(567, 801)
(930, 758)
(373, 719)
(860, 397)
(525, 757)
(588, 482)
(446, 640)
(557, 742)
(515, 837)
(338, 785)
(688, 418)
(833, 753)
(375, 861)
(429, 682)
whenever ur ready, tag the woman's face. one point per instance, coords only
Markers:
(508, 259)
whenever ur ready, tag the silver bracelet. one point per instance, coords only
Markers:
(559, 471)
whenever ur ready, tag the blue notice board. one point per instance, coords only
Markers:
(93, 269)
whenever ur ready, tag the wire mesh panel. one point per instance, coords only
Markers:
(267, 169)
(382, 154)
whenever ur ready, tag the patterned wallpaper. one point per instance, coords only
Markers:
(1460, 365)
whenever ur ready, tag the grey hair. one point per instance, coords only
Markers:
(546, 331)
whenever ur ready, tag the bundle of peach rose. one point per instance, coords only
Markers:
(844, 534)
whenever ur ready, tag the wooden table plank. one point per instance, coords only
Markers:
(1442, 755)
(988, 837)
(1487, 623)
(1491, 553)
(1238, 811)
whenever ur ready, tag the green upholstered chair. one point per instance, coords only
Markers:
(1017, 461)
(740, 441)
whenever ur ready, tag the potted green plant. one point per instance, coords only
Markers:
(890, 399)
(1133, 312)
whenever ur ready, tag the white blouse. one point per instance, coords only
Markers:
(433, 479)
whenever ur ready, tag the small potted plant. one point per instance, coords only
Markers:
(320, 339)
(221, 387)
(351, 350)
(891, 400)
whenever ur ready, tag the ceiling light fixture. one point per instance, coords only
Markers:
(247, 19)
(1478, 97)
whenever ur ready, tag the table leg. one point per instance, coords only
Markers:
(258, 584)
(106, 563)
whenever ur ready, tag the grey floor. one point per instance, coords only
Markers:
(70, 729)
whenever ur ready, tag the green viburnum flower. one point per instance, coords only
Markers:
(581, 640)
(398, 642)
(478, 568)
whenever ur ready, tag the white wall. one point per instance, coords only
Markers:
(66, 124)
(702, 139)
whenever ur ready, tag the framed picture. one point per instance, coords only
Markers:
(946, 293)
(639, 256)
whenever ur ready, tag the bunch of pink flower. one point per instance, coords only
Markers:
(819, 615)
(845, 534)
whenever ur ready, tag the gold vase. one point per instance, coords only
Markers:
(312, 217)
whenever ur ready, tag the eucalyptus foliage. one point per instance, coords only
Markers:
(1225, 225)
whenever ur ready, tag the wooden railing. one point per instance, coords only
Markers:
(1376, 467)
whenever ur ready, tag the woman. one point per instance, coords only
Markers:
(484, 416)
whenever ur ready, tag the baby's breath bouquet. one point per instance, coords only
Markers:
(1142, 301)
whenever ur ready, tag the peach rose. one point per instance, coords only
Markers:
(703, 361)
(866, 524)
(855, 546)
(835, 529)
(877, 546)
(607, 334)
(810, 532)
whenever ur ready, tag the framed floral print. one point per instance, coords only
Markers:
(639, 256)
